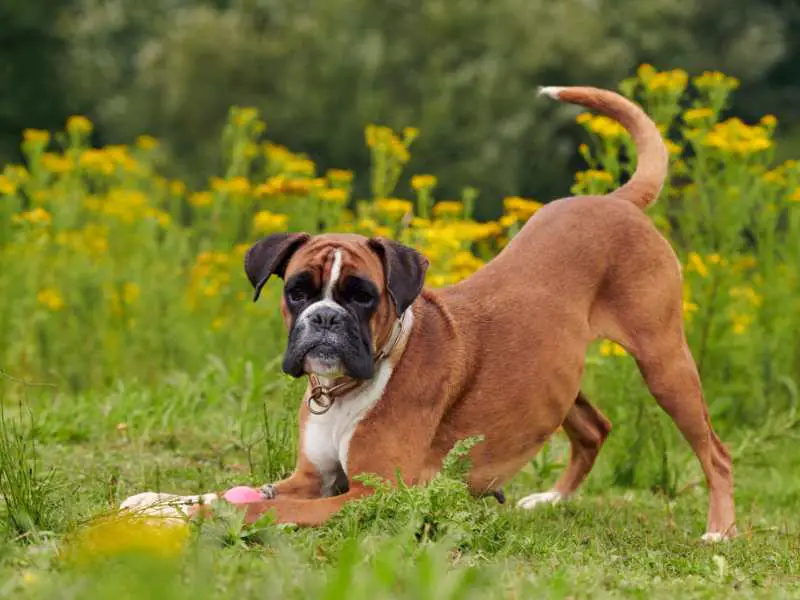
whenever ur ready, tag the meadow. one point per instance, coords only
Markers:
(132, 359)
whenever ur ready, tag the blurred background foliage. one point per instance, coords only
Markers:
(463, 71)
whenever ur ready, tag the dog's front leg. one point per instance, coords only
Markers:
(386, 442)
(302, 511)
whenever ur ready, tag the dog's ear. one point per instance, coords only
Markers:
(404, 269)
(269, 257)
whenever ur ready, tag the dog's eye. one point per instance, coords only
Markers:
(362, 297)
(297, 295)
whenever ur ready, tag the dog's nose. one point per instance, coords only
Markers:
(326, 318)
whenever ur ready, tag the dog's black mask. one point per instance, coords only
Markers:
(329, 332)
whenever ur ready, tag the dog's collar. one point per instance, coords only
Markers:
(321, 398)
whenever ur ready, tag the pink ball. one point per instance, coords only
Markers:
(242, 495)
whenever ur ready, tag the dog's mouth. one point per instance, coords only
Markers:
(324, 358)
(325, 361)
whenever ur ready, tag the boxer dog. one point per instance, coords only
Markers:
(398, 374)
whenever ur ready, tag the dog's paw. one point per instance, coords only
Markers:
(268, 492)
(534, 500)
(164, 505)
(714, 537)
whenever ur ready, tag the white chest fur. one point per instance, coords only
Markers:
(326, 437)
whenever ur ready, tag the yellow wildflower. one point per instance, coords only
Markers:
(146, 142)
(177, 187)
(645, 71)
(410, 134)
(747, 293)
(79, 125)
(38, 137)
(51, 299)
(267, 222)
(235, 185)
(277, 154)
(96, 161)
(339, 176)
(399, 150)
(448, 208)
(244, 116)
(736, 137)
(521, 208)
(218, 323)
(603, 126)
(56, 163)
(127, 534)
(696, 264)
(423, 182)
(130, 292)
(609, 348)
(741, 323)
(7, 186)
(591, 175)
(507, 221)
(37, 216)
(713, 79)
(394, 207)
(420, 223)
(673, 148)
(584, 118)
(200, 199)
(673, 81)
(769, 121)
(301, 166)
(716, 259)
(698, 114)
(795, 196)
(334, 196)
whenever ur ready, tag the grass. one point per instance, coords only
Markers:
(131, 360)
(201, 434)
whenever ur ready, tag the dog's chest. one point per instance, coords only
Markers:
(326, 437)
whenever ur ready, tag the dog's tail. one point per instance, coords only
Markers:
(651, 170)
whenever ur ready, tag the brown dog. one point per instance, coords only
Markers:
(398, 375)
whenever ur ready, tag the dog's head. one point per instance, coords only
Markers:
(342, 295)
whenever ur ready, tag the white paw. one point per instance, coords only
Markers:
(714, 538)
(528, 502)
(164, 505)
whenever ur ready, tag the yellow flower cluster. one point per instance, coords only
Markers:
(603, 126)
(267, 222)
(394, 208)
(423, 182)
(696, 263)
(118, 535)
(521, 208)
(37, 216)
(736, 137)
(235, 185)
(674, 81)
(448, 208)
(714, 79)
(609, 348)
(127, 205)
(91, 239)
(384, 139)
(51, 299)
(7, 186)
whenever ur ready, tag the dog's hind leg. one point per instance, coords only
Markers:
(587, 428)
(671, 375)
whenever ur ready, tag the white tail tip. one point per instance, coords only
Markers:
(551, 91)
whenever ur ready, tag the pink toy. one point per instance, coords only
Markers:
(242, 495)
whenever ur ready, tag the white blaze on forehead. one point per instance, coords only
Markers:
(336, 272)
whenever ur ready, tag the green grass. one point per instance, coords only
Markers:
(234, 425)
